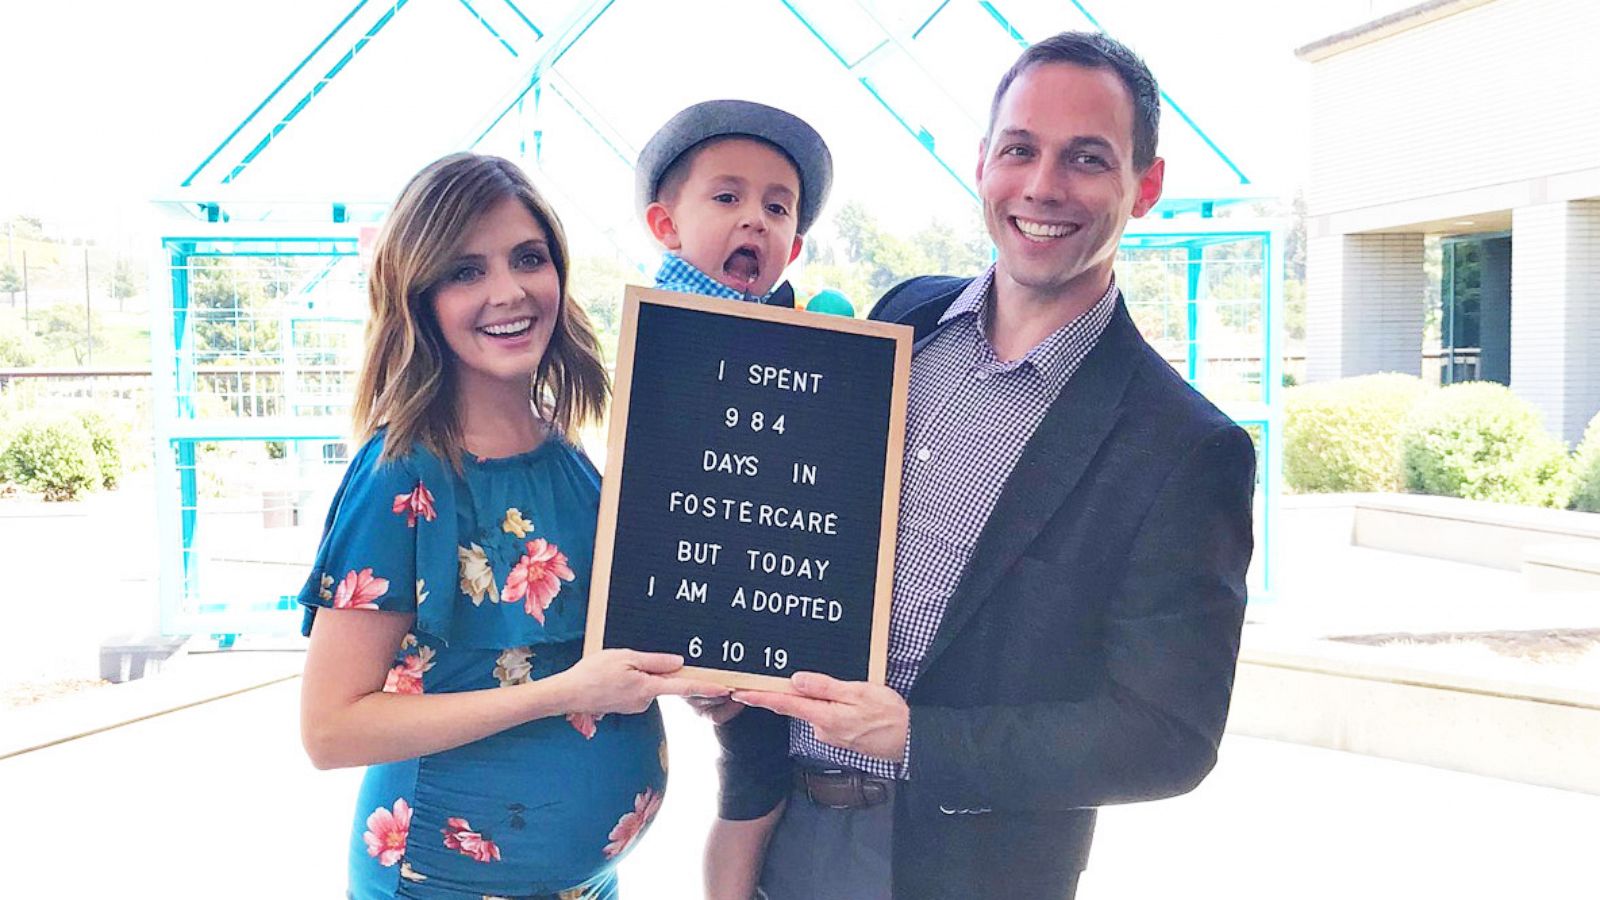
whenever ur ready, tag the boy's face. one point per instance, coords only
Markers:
(734, 216)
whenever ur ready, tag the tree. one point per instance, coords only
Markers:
(230, 308)
(1294, 310)
(596, 282)
(863, 259)
(124, 281)
(62, 329)
(1294, 271)
(29, 227)
(13, 353)
(858, 230)
(1294, 247)
(952, 250)
(10, 282)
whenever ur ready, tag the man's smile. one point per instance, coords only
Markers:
(1042, 231)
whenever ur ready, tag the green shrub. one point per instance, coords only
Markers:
(8, 475)
(1586, 466)
(1345, 435)
(14, 353)
(1480, 441)
(52, 456)
(108, 437)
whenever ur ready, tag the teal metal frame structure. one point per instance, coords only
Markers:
(180, 429)
(884, 46)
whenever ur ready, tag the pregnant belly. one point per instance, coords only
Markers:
(539, 808)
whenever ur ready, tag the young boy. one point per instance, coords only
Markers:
(729, 189)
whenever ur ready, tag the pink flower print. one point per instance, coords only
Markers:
(417, 503)
(359, 590)
(632, 824)
(387, 831)
(406, 678)
(460, 837)
(537, 578)
(584, 723)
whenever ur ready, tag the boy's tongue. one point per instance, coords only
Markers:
(742, 265)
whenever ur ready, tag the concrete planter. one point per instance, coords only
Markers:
(1554, 549)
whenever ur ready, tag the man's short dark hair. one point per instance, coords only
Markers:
(1093, 50)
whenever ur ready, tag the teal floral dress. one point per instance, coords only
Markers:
(494, 564)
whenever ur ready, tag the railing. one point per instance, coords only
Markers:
(27, 389)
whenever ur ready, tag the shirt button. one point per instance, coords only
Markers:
(981, 374)
(923, 454)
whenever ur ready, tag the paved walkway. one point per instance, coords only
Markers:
(218, 800)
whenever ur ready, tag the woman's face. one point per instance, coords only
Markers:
(497, 304)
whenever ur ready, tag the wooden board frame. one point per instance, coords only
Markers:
(616, 455)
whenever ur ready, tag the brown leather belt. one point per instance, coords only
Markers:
(842, 788)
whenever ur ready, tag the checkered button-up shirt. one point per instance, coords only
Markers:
(969, 416)
(678, 274)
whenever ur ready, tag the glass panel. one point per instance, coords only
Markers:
(1461, 334)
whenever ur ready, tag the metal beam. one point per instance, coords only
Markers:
(570, 32)
(925, 139)
(327, 79)
(189, 181)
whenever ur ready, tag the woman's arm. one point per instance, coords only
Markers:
(346, 719)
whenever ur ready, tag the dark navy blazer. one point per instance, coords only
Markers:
(1087, 656)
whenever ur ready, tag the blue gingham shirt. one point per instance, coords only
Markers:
(678, 274)
(968, 417)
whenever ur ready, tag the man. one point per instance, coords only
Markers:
(1073, 538)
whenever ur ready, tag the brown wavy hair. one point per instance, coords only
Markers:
(407, 381)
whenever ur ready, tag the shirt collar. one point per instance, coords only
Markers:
(678, 274)
(1056, 357)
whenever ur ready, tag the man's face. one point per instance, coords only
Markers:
(735, 216)
(1058, 183)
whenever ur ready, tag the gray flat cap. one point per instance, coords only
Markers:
(732, 118)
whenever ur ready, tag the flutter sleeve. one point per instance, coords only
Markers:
(387, 540)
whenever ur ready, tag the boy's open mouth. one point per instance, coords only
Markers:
(743, 265)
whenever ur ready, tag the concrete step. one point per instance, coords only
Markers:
(1568, 566)
(1342, 696)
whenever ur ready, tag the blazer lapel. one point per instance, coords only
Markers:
(1050, 466)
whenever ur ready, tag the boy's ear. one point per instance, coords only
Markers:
(662, 228)
(799, 244)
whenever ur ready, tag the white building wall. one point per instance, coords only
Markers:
(1555, 312)
(1364, 305)
(1499, 93)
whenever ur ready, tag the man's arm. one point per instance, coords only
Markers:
(1172, 642)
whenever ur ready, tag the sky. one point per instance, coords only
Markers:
(105, 105)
